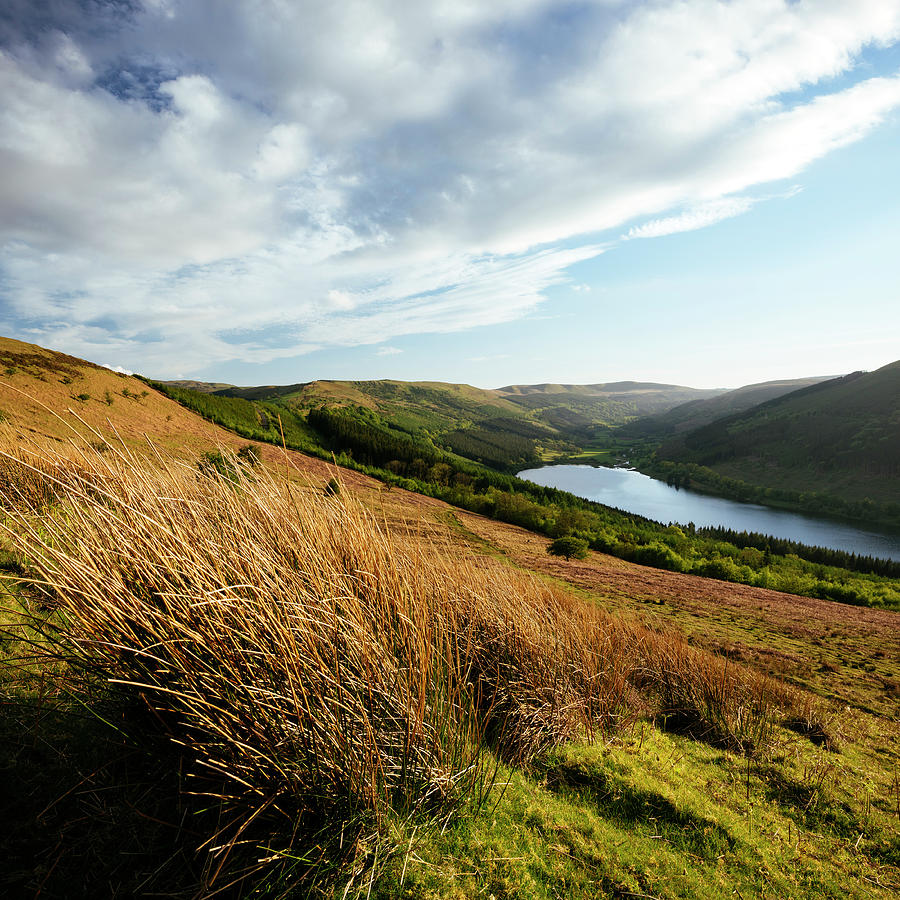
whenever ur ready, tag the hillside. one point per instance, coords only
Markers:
(696, 413)
(48, 395)
(508, 428)
(204, 387)
(385, 696)
(584, 409)
(838, 438)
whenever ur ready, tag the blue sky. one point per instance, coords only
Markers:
(693, 192)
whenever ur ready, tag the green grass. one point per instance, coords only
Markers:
(658, 815)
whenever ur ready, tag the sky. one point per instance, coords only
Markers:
(269, 192)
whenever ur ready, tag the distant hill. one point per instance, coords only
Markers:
(696, 413)
(839, 437)
(578, 409)
(510, 427)
(650, 391)
(205, 387)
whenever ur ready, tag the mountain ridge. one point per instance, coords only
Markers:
(840, 436)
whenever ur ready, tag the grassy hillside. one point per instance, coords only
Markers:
(223, 678)
(833, 446)
(46, 395)
(353, 712)
(506, 429)
(460, 419)
(697, 413)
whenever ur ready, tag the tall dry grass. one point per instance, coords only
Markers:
(313, 667)
(318, 671)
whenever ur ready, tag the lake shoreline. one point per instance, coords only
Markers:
(878, 523)
(635, 492)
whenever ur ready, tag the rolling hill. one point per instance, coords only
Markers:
(697, 773)
(586, 410)
(507, 428)
(696, 413)
(838, 438)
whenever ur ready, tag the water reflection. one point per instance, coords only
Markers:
(633, 492)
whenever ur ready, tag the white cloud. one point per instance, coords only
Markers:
(250, 180)
(341, 300)
(388, 351)
(698, 217)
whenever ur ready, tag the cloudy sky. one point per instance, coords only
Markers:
(272, 191)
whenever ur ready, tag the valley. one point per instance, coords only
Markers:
(652, 777)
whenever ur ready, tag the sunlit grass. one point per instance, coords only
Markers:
(328, 689)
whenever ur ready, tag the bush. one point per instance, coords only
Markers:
(228, 465)
(248, 454)
(658, 555)
(569, 547)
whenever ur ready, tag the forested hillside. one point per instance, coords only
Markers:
(833, 446)
(507, 429)
(696, 413)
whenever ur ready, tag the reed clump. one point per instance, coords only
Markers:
(707, 696)
(319, 673)
(313, 668)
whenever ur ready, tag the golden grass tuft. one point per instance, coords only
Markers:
(320, 673)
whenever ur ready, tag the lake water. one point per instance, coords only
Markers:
(633, 492)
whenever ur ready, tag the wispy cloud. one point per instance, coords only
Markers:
(388, 351)
(698, 217)
(197, 181)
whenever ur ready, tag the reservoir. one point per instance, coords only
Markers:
(633, 492)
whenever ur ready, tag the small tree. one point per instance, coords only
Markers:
(569, 547)
(248, 454)
(215, 461)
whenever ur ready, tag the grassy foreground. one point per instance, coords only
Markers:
(227, 681)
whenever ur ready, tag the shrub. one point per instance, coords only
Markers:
(569, 547)
(659, 555)
(228, 465)
(248, 454)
